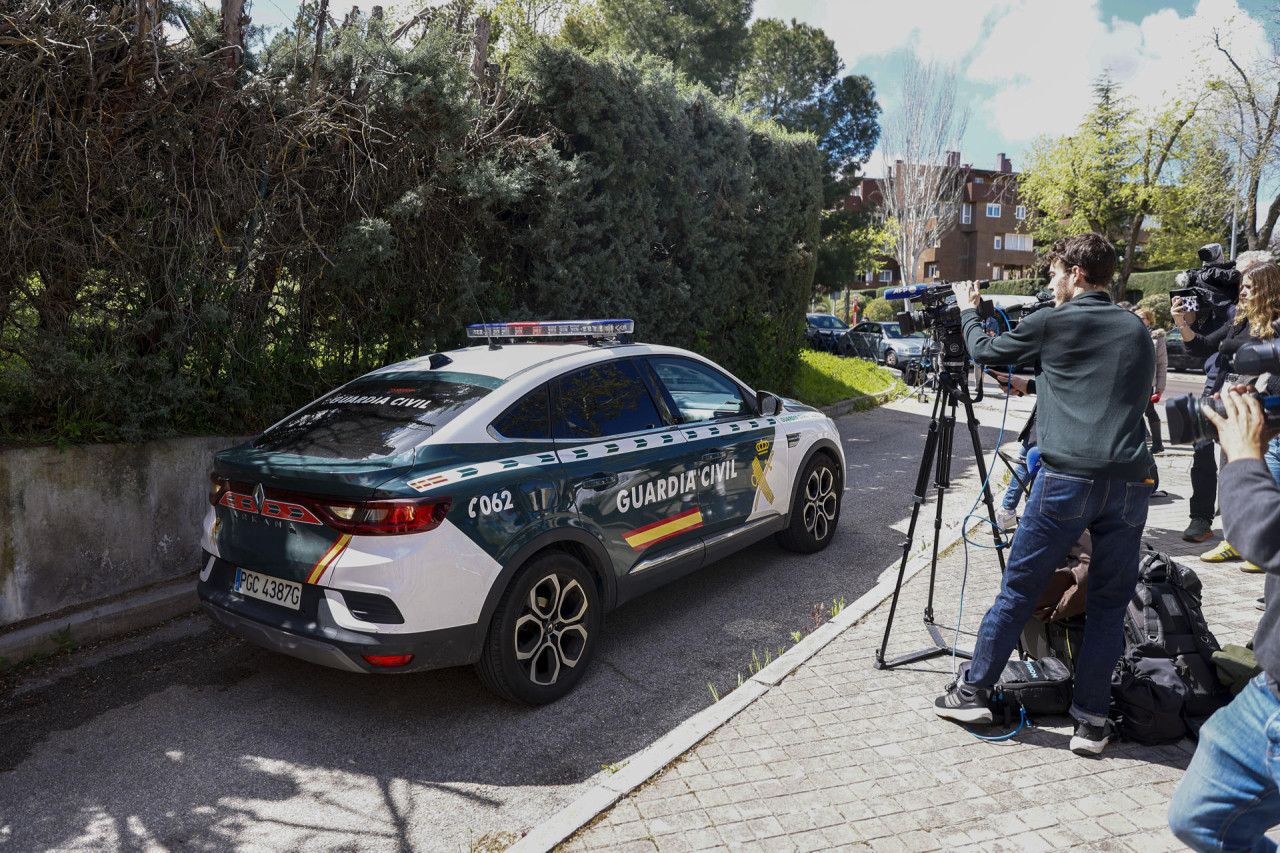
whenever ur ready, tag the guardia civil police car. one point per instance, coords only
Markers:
(486, 505)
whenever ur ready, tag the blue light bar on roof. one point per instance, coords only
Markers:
(552, 329)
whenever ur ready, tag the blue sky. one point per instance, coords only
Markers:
(1025, 67)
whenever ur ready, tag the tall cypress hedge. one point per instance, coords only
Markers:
(193, 247)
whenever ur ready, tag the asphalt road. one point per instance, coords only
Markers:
(184, 738)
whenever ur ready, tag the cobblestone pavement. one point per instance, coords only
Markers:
(842, 756)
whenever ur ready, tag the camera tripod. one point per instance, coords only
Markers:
(952, 390)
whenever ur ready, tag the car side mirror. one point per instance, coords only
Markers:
(768, 404)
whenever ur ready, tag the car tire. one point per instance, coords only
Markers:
(891, 358)
(815, 507)
(544, 631)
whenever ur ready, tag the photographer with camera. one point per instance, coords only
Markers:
(1093, 381)
(1256, 311)
(1229, 796)
(1209, 294)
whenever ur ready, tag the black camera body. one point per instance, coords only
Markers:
(940, 315)
(1216, 283)
(1044, 299)
(1188, 424)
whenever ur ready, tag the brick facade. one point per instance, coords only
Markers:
(969, 250)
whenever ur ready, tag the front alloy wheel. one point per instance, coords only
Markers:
(543, 632)
(891, 358)
(815, 508)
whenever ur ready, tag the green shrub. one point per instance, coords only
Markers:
(1160, 308)
(1153, 282)
(883, 309)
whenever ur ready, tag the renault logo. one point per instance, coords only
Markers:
(259, 496)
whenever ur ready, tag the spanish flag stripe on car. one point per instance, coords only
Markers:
(335, 551)
(650, 534)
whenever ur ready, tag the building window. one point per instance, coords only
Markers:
(966, 214)
(871, 276)
(999, 242)
(1017, 242)
(979, 181)
(997, 273)
(930, 270)
(1020, 211)
(993, 211)
(886, 275)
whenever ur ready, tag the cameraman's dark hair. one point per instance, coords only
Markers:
(1091, 252)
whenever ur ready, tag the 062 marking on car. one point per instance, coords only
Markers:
(490, 504)
(330, 557)
(652, 534)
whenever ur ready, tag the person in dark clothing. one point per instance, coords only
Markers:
(1090, 404)
(1229, 796)
(1257, 309)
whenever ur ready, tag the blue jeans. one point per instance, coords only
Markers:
(1272, 458)
(1059, 509)
(1228, 797)
(1017, 479)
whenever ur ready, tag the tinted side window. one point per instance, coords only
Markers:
(528, 418)
(700, 392)
(602, 400)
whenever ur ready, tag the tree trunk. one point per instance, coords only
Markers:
(480, 51)
(233, 31)
(321, 17)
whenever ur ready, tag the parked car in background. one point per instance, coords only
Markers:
(827, 333)
(1179, 358)
(885, 342)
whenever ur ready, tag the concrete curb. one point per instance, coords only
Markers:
(651, 760)
(129, 612)
(844, 407)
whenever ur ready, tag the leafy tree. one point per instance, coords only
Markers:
(851, 242)
(705, 40)
(1118, 171)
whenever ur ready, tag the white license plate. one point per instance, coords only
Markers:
(266, 588)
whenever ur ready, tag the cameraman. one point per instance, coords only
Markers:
(1229, 796)
(1216, 284)
(1093, 381)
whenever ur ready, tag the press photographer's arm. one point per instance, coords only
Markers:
(1250, 498)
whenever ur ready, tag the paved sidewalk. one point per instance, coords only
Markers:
(841, 756)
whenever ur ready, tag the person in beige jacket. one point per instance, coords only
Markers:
(1162, 369)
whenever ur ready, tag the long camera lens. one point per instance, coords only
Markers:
(1188, 424)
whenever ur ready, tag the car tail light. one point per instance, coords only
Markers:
(383, 517)
(218, 486)
(388, 660)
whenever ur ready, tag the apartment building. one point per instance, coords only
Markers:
(991, 238)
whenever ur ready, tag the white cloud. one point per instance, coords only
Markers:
(1043, 67)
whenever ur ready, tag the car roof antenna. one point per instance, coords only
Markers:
(488, 335)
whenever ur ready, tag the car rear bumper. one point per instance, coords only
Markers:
(313, 635)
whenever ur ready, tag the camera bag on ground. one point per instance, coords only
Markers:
(1165, 684)
(1039, 686)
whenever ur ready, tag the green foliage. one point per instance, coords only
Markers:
(852, 242)
(823, 379)
(1155, 282)
(1161, 310)
(882, 309)
(1016, 287)
(213, 249)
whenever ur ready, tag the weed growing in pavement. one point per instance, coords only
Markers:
(614, 768)
(836, 607)
(715, 694)
(62, 639)
(796, 636)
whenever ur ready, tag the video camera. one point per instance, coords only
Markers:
(1215, 286)
(939, 306)
(940, 315)
(1187, 422)
(1044, 299)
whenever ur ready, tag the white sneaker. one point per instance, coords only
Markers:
(1006, 518)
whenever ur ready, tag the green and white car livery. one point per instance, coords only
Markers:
(487, 505)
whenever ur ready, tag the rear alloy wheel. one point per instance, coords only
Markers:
(815, 509)
(890, 358)
(543, 633)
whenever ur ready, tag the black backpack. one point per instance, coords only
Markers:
(1165, 684)
(1036, 686)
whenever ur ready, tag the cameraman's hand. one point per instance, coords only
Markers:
(1241, 432)
(966, 293)
(1017, 384)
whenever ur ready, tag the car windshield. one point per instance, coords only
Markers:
(893, 330)
(370, 419)
(826, 321)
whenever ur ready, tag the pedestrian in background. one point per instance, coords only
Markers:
(1162, 370)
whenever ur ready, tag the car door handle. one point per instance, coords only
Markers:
(597, 482)
(715, 455)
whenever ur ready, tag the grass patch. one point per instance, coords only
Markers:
(823, 379)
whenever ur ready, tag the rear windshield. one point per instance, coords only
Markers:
(371, 419)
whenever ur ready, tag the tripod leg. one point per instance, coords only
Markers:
(922, 486)
(942, 480)
(997, 535)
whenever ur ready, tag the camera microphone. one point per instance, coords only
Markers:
(912, 291)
